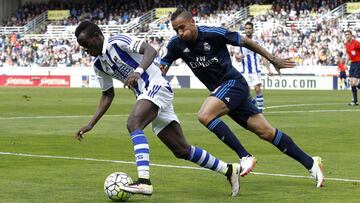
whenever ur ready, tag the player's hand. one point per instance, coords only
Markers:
(164, 69)
(280, 63)
(132, 79)
(239, 57)
(80, 133)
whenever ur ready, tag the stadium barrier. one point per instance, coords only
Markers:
(299, 78)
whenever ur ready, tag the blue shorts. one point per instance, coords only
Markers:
(342, 75)
(354, 71)
(235, 94)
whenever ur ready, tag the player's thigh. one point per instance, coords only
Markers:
(354, 81)
(172, 136)
(244, 111)
(211, 108)
(143, 112)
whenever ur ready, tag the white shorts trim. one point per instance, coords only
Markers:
(162, 97)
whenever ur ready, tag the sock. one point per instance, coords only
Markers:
(285, 144)
(354, 93)
(260, 102)
(141, 151)
(223, 132)
(206, 160)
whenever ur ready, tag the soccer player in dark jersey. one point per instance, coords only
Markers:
(353, 50)
(204, 50)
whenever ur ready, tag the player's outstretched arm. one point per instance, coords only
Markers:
(278, 63)
(105, 102)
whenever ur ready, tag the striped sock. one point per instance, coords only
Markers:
(206, 160)
(141, 151)
(260, 102)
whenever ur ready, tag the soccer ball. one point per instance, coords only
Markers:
(112, 186)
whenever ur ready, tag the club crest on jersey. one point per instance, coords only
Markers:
(116, 59)
(207, 46)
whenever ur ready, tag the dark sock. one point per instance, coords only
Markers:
(223, 132)
(354, 93)
(229, 171)
(285, 144)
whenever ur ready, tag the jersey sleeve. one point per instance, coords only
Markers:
(233, 38)
(170, 54)
(106, 82)
(130, 44)
(357, 44)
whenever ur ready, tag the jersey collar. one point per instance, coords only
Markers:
(105, 44)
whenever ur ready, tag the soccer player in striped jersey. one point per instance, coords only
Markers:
(250, 66)
(204, 50)
(131, 61)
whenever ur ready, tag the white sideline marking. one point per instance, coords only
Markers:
(163, 165)
(297, 105)
(124, 115)
(314, 111)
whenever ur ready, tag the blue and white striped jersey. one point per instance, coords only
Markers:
(120, 57)
(251, 63)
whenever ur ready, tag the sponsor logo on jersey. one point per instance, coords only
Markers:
(202, 62)
(207, 46)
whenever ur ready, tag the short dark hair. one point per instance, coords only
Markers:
(349, 31)
(181, 11)
(249, 23)
(89, 27)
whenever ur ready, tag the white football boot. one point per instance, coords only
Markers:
(316, 171)
(234, 178)
(247, 163)
(141, 186)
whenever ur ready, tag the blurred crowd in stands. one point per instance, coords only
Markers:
(320, 45)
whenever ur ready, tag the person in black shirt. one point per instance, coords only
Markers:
(204, 50)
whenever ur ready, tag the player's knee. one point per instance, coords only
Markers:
(133, 125)
(204, 118)
(267, 134)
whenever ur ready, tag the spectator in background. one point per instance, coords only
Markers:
(353, 51)
(1, 42)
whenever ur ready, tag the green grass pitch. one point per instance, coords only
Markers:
(41, 161)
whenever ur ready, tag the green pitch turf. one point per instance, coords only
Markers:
(41, 161)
